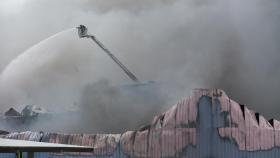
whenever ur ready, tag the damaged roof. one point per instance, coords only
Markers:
(171, 132)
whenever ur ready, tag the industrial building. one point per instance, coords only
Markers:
(206, 124)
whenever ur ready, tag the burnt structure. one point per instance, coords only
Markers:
(207, 124)
(16, 121)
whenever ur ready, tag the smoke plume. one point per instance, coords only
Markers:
(181, 45)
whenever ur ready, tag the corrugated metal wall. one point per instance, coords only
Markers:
(206, 143)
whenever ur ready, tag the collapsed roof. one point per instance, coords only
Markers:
(32, 110)
(28, 110)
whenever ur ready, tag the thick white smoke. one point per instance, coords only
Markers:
(181, 44)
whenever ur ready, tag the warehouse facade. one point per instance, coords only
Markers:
(206, 124)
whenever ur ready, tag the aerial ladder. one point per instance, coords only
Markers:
(82, 32)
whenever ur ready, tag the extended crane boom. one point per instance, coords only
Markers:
(82, 31)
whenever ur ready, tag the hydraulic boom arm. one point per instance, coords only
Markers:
(82, 31)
